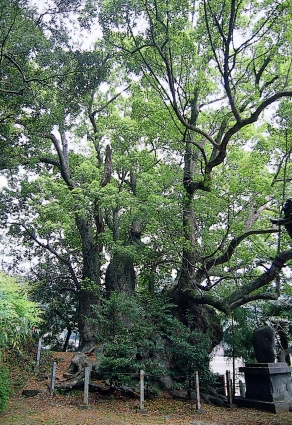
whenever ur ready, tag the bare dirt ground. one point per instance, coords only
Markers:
(69, 409)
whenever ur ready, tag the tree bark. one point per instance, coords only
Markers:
(89, 292)
(69, 332)
(200, 317)
(120, 275)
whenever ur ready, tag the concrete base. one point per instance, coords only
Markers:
(269, 382)
(142, 411)
(268, 387)
(84, 407)
(276, 407)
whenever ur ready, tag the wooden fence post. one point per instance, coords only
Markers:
(198, 398)
(86, 385)
(53, 376)
(225, 385)
(229, 387)
(38, 358)
(141, 407)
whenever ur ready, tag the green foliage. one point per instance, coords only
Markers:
(238, 330)
(278, 315)
(199, 76)
(17, 313)
(140, 332)
(188, 351)
(4, 388)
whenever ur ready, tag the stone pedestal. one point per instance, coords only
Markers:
(268, 387)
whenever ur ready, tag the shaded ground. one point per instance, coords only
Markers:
(61, 410)
(69, 409)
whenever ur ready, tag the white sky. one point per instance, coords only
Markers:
(3, 181)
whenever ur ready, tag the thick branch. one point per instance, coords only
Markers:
(225, 257)
(244, 294)
(62, 164)
(254, 215)
(107, 167)
(245, 122)
(271, 296)
(238, 297)
(270, 274)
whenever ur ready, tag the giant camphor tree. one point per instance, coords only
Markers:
(171, 168)
(217, 68)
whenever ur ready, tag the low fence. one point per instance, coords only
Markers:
(194, 387)
(229, 387)
(225, 384)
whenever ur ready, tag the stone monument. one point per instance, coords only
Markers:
(263, 341)
(268, 384)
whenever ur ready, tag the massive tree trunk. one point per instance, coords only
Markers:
(89, 292)
(201, 317)
(120, 274)
(89, 225)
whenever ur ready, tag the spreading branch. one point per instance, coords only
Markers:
(245, 293)
(62, 164)
(226, 256)
(239, 125)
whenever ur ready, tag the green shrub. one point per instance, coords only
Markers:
(140, 332)
(4, 388)
(17, 313)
